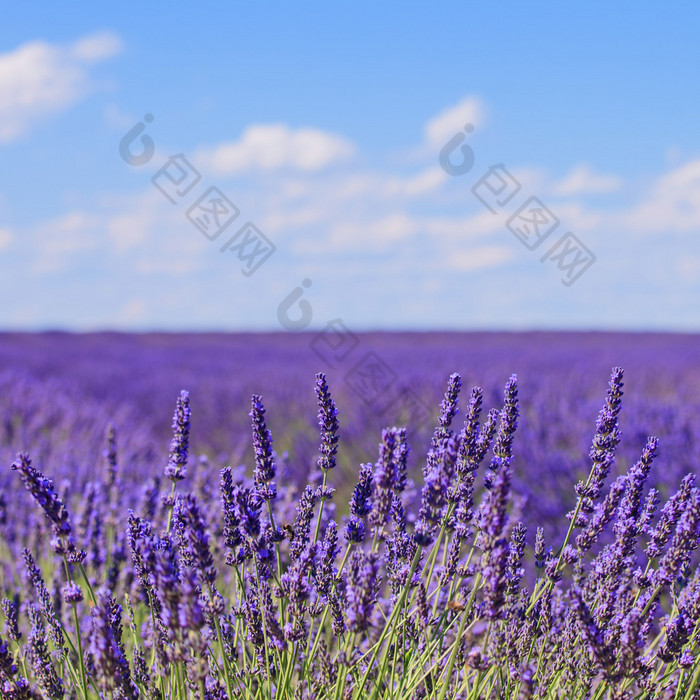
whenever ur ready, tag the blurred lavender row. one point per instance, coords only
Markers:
(59, 393)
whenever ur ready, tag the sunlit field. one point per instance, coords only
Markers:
(440, 516)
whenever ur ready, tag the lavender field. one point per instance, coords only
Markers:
(439, 515)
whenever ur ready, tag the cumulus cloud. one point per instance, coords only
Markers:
(582, 180)
(479, 258)
(62, 239)
(447, 123)
(39, 79)
(268, 147)
(672, 205)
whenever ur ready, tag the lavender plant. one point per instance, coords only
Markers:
(269, 589)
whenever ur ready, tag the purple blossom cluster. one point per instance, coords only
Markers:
(417, 580)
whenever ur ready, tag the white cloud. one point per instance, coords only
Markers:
(373, 235)
(445, 125)
(59, 240)
(582, 180)
(422, 183)
(479, 258)
(97, 47)
(268, 147)
(40, 79)
(672, 205)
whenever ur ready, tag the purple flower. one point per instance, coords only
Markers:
(325, 570)
(677, 631)
(361, 589)
(516, 550)
(606, 439)
(328, 422)
(540, 553)
(72, 593)
(670, 514)
(11, 610)
(302, 523)
(434, 494)
(194, 538)
(43, 491)
(503, 445)
(627, 528)
(46, 675)
(685, 540)
(493, 516)
(294, 583)
(495, 579)
(448, 406)
(603, 514)
(354, 529)
(110, 457)
(265, 468)
(107, 651)
(179, 447)
(448, 410)
(385, 479)
(469, 435)
(48, 607)
(360, 503)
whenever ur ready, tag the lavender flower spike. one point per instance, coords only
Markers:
(179, 447)
(44, 493)
(361, 590)
(503, 446)
(360, 505)
(606, 438)
(386, 476)
(265, 468)
(448, 406)
(328, 422)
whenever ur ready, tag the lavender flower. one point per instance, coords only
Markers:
(516, 550)
(603, 514)
(48, 607)
(48, 679)
(448, 406)
(42, 489)
(684, 541)
(295, 585)
(361, 589)
(194, 538)
(325, 570)
(265, 468)
(360, 504)
(302, 523)
(503, 446)
(110, 457)
(328, 422)
(677, 632)
(670, 514)
(107, 651)
(606, 439)
(72, 593)
(448, 410)
(11, 610)
(179, 447)
(434, 494)
(495, 581)
(469, 436)
(385, 479)
(539, 548)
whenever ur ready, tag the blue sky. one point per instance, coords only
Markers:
(323, 124)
